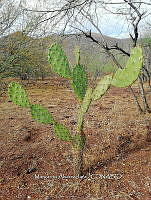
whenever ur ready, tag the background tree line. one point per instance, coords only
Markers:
(22, 56)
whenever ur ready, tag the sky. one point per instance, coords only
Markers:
(110, 24)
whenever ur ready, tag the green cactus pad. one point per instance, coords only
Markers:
(18, 95)
(58, 61)
(77, 55)
(78, 141)
(127, 76)
(83, 108)
(41, 114)
(86, 101)
(79, 81)
(102, 87)
(62, 132)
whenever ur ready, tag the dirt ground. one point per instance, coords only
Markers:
(35, 165)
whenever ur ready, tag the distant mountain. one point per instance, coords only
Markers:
(87, 46)
(70, 41)
(92, 55)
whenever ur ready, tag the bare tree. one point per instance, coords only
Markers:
(13, 17)
(14, 20)
(10, 12)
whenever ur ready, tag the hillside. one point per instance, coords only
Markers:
(70, 41)
(87, 47)
(92, 56)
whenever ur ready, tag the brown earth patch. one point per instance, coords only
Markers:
(35, 165)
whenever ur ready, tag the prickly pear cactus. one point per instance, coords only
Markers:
(62, 132)
(58, 61)
(18, 95)
(79, 81)
(102, 86)
(41, 114)
(125, 77)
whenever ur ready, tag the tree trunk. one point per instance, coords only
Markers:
(136, 100)
(146, 106)
(42, 77)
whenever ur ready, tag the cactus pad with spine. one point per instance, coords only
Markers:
(61, 132)
(18, 95)
(58, 61)
(102, 86)
(77, 55)
(125, 77)
(87, 100)
(41, 114)
(79, 81)
(83, 108)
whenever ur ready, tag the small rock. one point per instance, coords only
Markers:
(67, 116)
(27, 137)
(48, 198)
(11, 117)
(1, 180)
(30, 170)
(73, 122)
